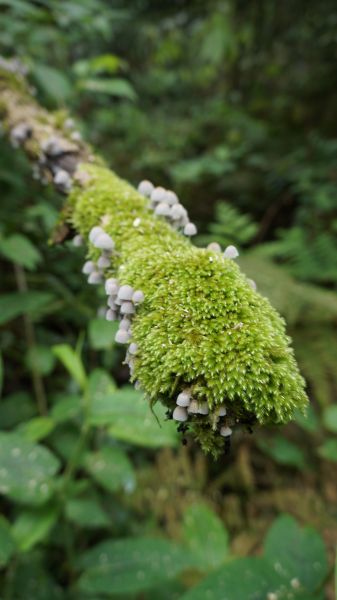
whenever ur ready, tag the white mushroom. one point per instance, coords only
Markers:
(252, 284)
(158, 194)
(62, 180)
(110, 315)
(180, 414)
(112, 302)
(103, 262)
(94, 278)
(111, 286)
(145, 188)
(225, 431)
(162, 210)
(231, 252)
(171, 198)
(88, 267)
(125, 324)
(127, 308)
(214, 246)
(184, 398)
(103, 241)
(190, 229)
(133, 348)
(221, 410)
(94, 232)
(125, 292)
(77, 240)
(122, 336)
(138, 297)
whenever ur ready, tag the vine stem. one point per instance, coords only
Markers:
(38, 385)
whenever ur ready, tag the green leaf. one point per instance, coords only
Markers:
(72, 362)
(283, 451)
(131, 565)
(296, 553)
(16, 408)
(53, 82)
(102, 333)
(241, 579)
(330, 418)
(129, 418)
(66, 408)
(20, 250)
(111, 468)
(1, 373)
(120, 88)
(33, 526)
(86, 512)
(205, 536)
(328, 450)
(36, 429)
(40, 359)
(26, 470)
(7, 544)
(100, 385)
(30, 303)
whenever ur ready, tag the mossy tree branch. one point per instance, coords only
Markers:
(201, 329)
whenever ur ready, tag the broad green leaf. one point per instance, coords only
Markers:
(328, 450)
(86, 512)
(283, 451)
(205, 536)
(54, 83)
(7, 544)
(26, 470)
(100, 385)
(131, 565)
(40, 359)
(296, 553)
(111, 468)
(32, 582)
(19, 249)
(120, 88)
(66, 408)
(102, 333)
(36, 429)
(16, 304)
(33, 526)
(241, 579)
(16, 408)
(330, 418)
(64, 440)
(72, 362)
(128, 416)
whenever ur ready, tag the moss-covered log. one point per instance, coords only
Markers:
(195, 330)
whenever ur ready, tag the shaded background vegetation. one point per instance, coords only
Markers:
(232, 105)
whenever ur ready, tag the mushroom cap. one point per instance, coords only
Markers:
(88, 267)
(214, 246)
(180, 414)
(203, 408)
(221, 410)
(77, 240)
(193, 407)
(94, 232)
(158, 194)
(122, 336)
(133, 348)
(103, 241)
(225, 431)
(162, 209)
(110, 315)
(127, 308)
(231, 252)
(125, 324)
(103, 262)
(125, 292)
(183, 399)
(171, 198)
(94, 278)
(138, 297)
(145, 188)
(190, 229)
(111, 286)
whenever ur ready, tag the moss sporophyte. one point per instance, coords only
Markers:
(199, 337)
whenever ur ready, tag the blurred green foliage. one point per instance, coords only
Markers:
(231, 104)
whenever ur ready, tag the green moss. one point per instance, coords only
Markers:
(201, 324)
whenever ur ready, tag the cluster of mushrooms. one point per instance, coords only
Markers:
(165, 203)
(187, 406)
